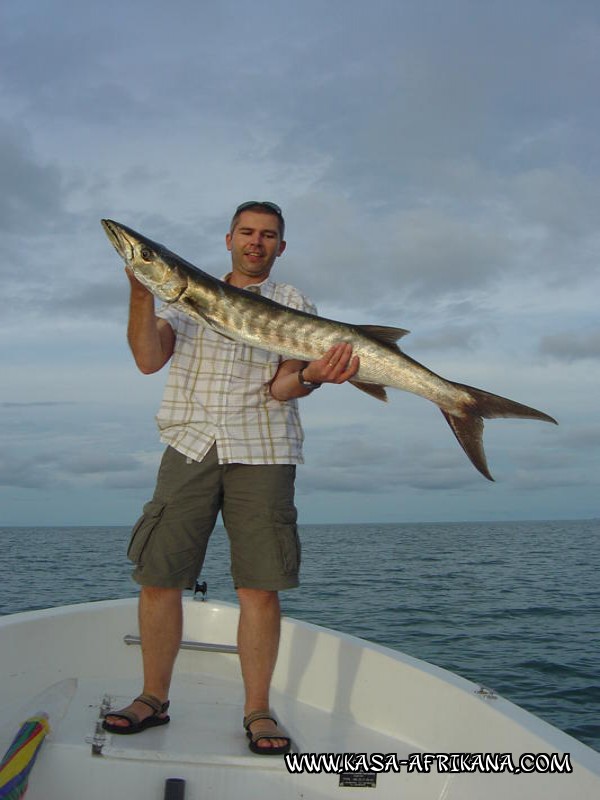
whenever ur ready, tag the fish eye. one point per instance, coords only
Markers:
(146, 253)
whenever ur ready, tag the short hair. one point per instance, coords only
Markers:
(262, 207)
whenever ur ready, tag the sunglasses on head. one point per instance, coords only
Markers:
(266, 203)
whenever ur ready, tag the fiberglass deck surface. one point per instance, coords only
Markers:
(204, 743)
(206, 725)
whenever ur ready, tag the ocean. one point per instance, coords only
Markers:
(512, 606)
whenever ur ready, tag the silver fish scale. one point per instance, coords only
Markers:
(305, 337)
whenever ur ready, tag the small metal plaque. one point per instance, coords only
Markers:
(358, 779)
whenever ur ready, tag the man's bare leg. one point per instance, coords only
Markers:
(258, 645)
(160, 619)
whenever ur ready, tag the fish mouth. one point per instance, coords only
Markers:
(117, 238)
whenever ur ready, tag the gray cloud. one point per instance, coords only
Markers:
(44, 470)
(369, 460)
(35, 403)
(98, 463)
(401, 184)
(430, 181)
(542, 481)
(26, 473)
(33, 193)
(142, 478)
(104, 300)
(571, 346)
(451, 337)
(585, 437)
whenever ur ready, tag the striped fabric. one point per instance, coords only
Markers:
(217, 391)
(20, 757)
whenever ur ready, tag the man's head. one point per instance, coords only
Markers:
(261, 207)
(255, 240)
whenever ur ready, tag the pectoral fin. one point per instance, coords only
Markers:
(374, 389)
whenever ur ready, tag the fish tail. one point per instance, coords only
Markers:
(468, 425)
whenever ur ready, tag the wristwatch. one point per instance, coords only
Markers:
(307, 384)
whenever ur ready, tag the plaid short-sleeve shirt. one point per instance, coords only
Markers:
(217, 390)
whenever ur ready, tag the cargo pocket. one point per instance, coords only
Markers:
(289, 541)
(143, 529)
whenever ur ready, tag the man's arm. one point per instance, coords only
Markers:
(150, 338)
(336, 366)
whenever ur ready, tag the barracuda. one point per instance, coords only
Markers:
(247, 317)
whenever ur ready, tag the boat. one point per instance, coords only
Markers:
(365, 720)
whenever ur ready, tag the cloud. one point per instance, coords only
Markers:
(451, 337)
(44, 470)
(542, 481)
(386, 177)
(98, 463)
(76, 445)
(366, 459)
(33, 192)
(468, 234)
(107, 300)
(26, 473)
(35, 403)
(571, 346)
(584, 437)
(429, 181)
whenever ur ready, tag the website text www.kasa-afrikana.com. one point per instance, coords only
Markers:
(487, 763)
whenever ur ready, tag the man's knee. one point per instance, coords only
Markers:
(160, 594)
(258, 598)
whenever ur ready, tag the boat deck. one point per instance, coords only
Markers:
(333, 694)
(204, 744)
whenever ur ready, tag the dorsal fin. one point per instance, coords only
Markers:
(384, 334)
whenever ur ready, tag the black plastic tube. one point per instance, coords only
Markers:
(174, 789)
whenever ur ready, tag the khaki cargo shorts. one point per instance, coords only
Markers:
(169, 541)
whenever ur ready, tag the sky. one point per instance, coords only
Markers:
(438, 166)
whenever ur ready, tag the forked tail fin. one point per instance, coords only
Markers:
(468, 426)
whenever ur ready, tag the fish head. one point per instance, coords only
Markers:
(152, 264)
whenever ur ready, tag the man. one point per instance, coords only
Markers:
(230, 419)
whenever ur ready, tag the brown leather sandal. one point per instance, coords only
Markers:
(136, 725)
(255, 737)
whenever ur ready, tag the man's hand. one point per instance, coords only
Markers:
(150, 338)
(138, 289)
(336, 366)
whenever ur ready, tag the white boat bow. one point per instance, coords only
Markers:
(333, 693)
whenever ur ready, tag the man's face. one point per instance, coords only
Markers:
(254, 245)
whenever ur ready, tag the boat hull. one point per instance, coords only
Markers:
(334, 694)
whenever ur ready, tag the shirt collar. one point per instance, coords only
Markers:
(261, 286)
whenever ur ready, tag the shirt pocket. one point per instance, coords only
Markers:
(253, 365)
